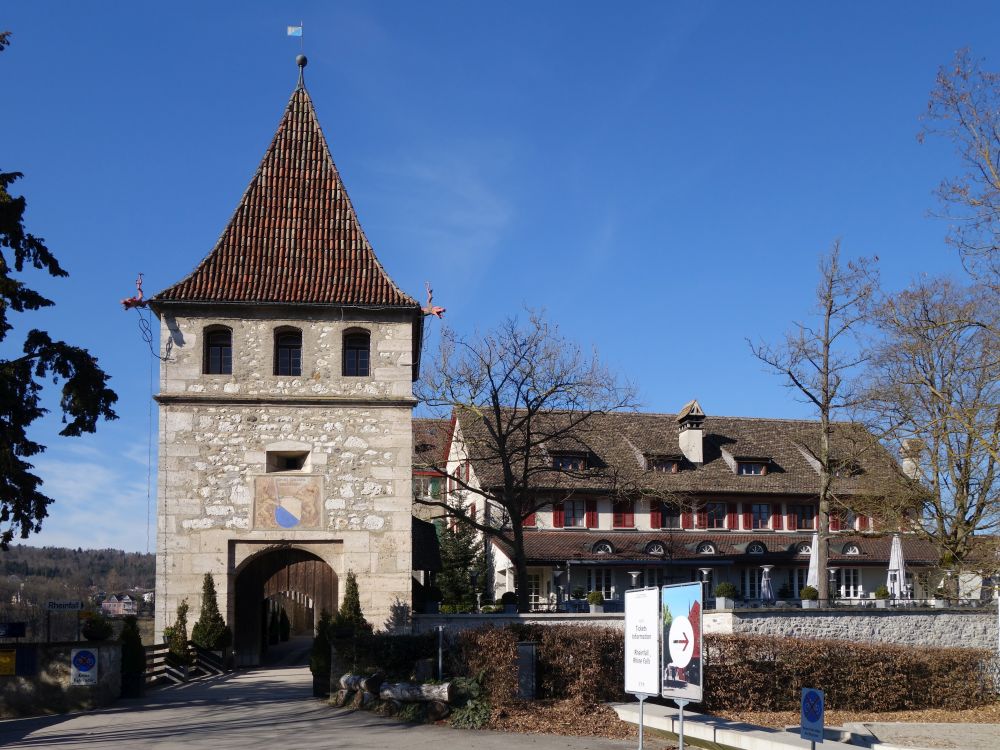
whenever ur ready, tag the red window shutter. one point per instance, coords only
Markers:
(731, 516)
(630, 515)
(655, 514)
(558, 517)
(776, 517)
(591, 518)
(702, 522)
(529, 520)
(468, 470)
(834, 522)
(686, 519)
(472, 511)
(863, 523)
(747, 518)
(793, 521)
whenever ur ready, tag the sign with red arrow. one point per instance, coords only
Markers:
(681, 677)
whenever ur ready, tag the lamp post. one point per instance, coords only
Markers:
(557, 575)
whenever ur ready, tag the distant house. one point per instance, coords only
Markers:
(118, 605)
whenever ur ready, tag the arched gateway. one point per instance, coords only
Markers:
(285, 578)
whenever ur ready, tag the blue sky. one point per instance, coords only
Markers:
(660, 176)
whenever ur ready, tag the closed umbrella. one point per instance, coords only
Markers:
(812, 577)
(766, 590)
(897, 569)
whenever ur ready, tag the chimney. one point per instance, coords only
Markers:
(911, 450)
(691, 434)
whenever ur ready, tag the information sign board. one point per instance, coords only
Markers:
(812, 714)
(8, 662)
(83, 667)
(681, 623)
(13, 629)
(642, 641)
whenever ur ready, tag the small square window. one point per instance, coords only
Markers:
(751, 468)
(662, 464)
(569, 462)
(278, 461)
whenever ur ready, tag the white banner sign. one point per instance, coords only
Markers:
(83, 666)
(642, 641)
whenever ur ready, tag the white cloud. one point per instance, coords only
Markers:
(95, 505)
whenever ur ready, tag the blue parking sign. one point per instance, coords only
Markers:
(812, 715)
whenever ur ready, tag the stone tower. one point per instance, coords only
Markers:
(285, 406)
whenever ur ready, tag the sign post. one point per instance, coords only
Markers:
(681, 676)
(811, 722)
(642, 647)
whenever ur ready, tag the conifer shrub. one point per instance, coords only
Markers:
(211, 632)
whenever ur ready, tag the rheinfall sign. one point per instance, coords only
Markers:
(642, 642)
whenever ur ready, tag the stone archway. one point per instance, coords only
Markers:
(294, 579)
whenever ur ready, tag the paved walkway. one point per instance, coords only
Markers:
(265, 709)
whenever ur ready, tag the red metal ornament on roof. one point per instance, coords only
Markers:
(137, 301)
(430, 308)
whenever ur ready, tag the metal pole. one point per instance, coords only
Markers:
(440, 651)
(680, 734)
(642, 721)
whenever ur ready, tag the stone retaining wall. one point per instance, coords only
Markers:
(967, 629)
(961, 628)
(49, 691)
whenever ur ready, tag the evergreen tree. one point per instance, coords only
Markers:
(319, 657)
(176, 635)
(462, 555)
(133, 655)
(211, 631)
(350, 615)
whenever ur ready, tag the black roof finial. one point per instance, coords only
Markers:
(301, 61)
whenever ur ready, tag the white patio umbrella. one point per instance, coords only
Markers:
(812, 577)
(897, 569)
(766, 589)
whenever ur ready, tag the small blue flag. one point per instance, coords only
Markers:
(294, 31)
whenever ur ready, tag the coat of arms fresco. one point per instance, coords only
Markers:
(287, 502)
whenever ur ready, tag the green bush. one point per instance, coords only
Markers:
(882, 592)
(96, 627)
(595, 597)
(808, 593)
(726, 589)
(508, 598)
(176, 637)
(319, 656)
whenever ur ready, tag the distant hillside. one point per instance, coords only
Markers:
(38, 574)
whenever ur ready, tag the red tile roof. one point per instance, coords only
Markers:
(294, 237)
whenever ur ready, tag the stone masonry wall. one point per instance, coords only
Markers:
(967, 629)
(216, 430)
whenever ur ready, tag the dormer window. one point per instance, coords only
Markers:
(663, 464)
(751, 468)
(603, 548)
(706, 548)
(569, 461)
(756, 548)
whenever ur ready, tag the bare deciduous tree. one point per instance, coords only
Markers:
(521, 392)
(935, 392)
(820, 362)
(965, 108)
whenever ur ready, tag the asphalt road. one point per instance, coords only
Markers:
(270, 709)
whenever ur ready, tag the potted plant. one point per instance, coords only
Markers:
(596, 601)
(809, 596)
(881, 596)
(725, 596)
(509, 602)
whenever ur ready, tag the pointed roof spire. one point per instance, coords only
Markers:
(294, 237)
(302, 61)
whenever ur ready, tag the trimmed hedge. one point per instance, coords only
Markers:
(742, 672)
(746, 672)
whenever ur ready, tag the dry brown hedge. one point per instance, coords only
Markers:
(742, 672)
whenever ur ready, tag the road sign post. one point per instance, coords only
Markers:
(681, 675)
(642, 647)
(811, 722)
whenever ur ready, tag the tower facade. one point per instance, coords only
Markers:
(285, 405)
